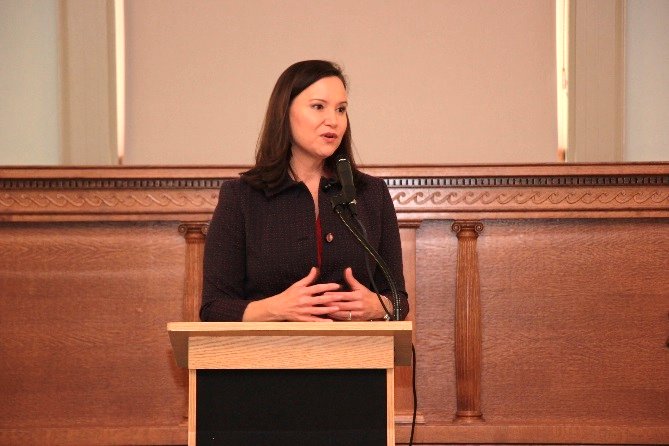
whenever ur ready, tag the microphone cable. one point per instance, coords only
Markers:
(379, 260)
(367, 265)
(378, 295)
(415, 394)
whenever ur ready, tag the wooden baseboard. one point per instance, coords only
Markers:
(529, 433)
(137, 435)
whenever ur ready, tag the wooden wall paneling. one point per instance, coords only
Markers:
(83, 310)
(588, 192)
(573, 300)
(436, 254)
(403, 374)
(574, 323)
(569, 355)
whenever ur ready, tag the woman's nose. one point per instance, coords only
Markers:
(332, 118)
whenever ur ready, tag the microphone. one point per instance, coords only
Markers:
(347, 195)
(346, 179)
(346, 201)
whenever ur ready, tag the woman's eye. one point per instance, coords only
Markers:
(317, 106)
(341, 110)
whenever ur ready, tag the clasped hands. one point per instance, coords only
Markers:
(305, 302)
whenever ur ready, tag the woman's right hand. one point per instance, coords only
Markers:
(300, 302)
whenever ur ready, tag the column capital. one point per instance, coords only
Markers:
(194, 229)
(467, 228)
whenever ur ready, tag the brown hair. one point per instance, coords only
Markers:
(273, 151)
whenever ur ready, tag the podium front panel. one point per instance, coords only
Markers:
(292, 407)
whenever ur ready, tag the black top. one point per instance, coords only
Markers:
(260, 242)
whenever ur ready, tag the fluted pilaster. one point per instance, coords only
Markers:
(468, 341)
(194, 233)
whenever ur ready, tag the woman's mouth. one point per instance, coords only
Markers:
(329, 136)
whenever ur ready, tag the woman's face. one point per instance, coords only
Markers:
(318, 118)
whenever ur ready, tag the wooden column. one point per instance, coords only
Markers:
(194, 233)
(468, 324)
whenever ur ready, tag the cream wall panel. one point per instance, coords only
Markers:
(88, 82)
(596, 80)
(29, 84)
(430, 82)
(647, 92)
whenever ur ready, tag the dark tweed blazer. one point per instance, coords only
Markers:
(260, 242)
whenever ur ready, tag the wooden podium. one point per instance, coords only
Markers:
(291, 382)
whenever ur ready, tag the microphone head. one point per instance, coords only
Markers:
(346, 197)
(343, 162)
(346, 179)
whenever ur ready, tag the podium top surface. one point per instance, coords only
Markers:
(401, 331)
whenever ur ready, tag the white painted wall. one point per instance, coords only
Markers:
(29, 83)
(647, 85)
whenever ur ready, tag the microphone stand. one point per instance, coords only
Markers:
(350, 207)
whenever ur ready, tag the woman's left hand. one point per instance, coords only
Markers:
(359, 304)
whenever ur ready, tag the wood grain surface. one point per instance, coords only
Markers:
(291, 352)
(574, 300)
(83, 314)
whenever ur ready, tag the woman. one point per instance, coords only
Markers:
(275, 250)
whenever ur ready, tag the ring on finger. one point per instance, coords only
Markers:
(350, 315)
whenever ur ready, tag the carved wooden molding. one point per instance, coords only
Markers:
(112, 183)
(523, 199)
(108, 200)
(394, 182)
(457, 192)
(544, 180)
